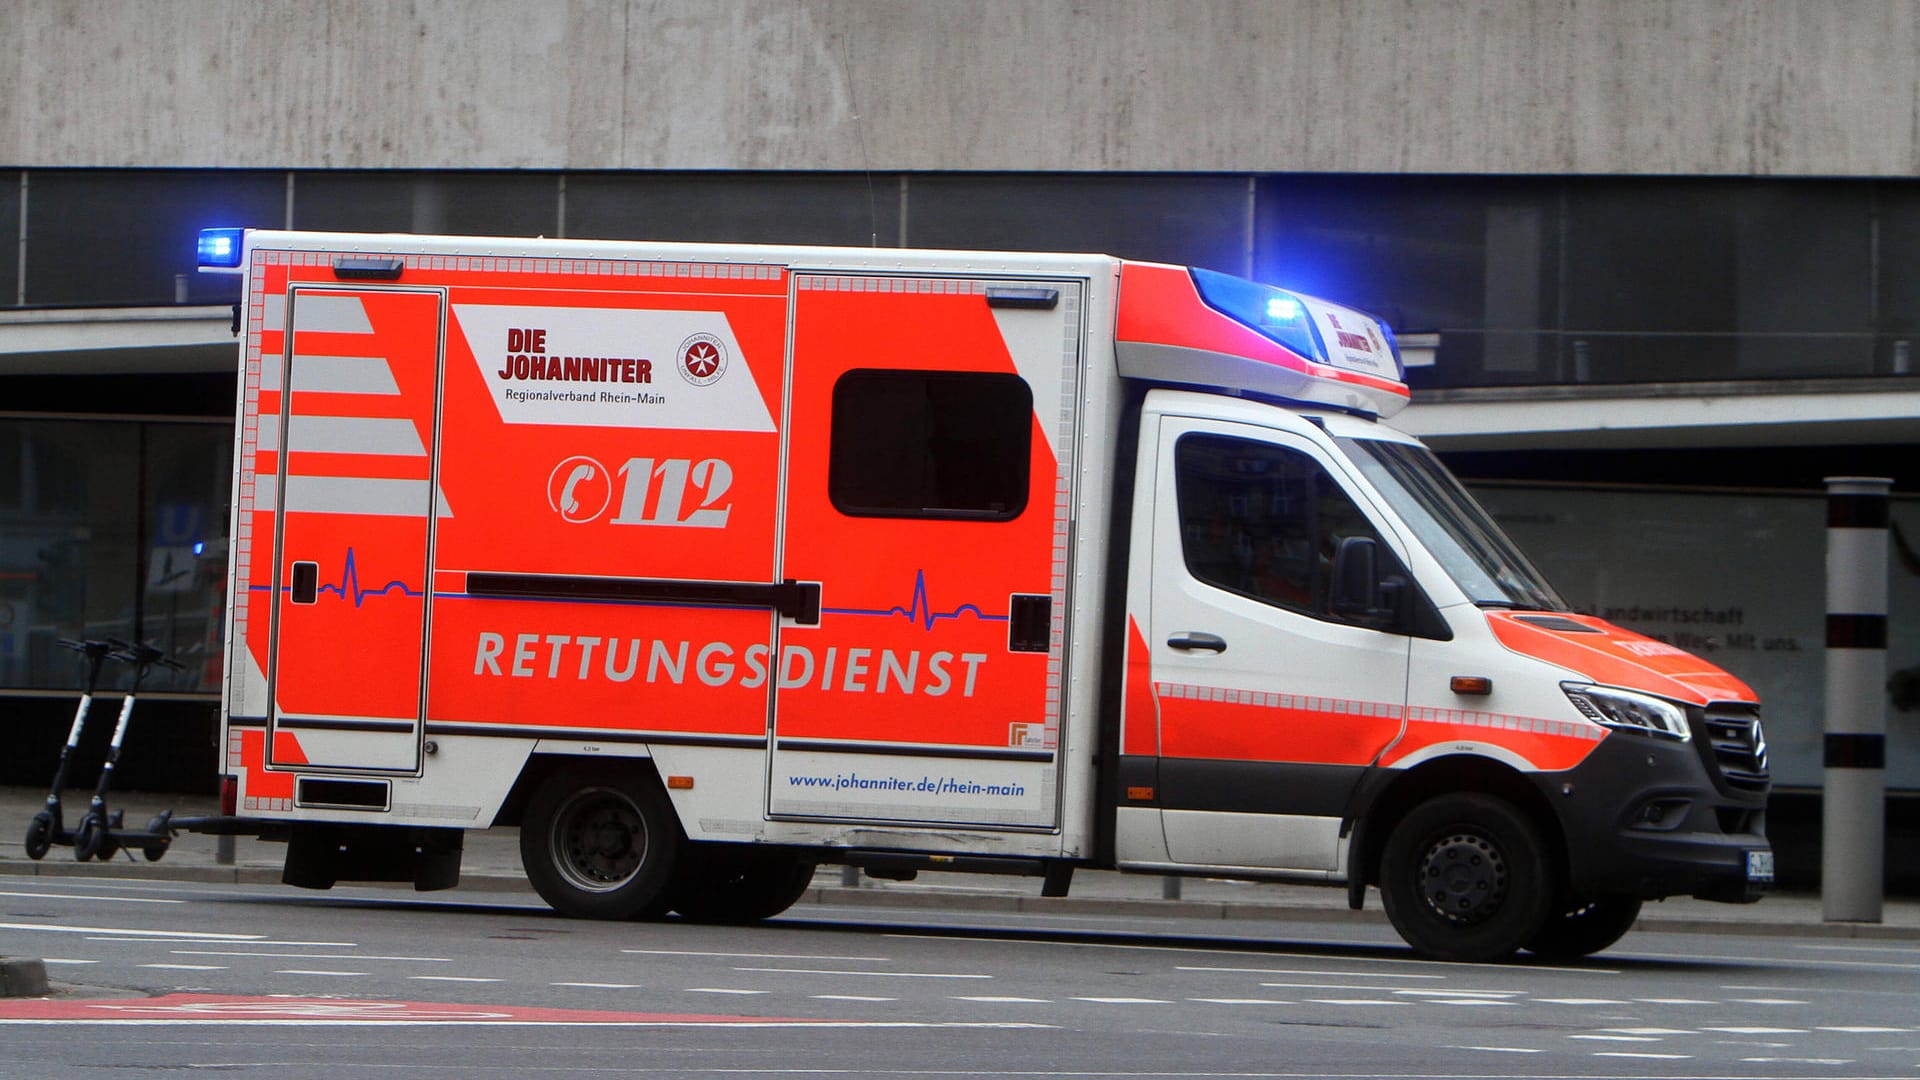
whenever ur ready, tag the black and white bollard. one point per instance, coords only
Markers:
(1852, 861)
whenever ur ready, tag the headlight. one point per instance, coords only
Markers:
(1626, 709)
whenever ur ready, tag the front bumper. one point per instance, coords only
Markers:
(1651, 818)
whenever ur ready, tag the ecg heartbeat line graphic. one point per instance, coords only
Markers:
(919, 609)
(348, 586)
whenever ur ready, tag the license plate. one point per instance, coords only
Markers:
(1760, 866)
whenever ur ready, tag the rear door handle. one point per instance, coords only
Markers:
(1190, 641)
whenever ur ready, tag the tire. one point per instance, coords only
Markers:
(39, 836)
(1466, 877)
(599, 843)
(737, 887)
(1585, 929)
(90, 839)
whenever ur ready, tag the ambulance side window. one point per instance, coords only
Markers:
(1262, 521)
(930, 444)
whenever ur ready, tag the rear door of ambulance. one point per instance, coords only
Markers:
(338, 421)
(930, 482)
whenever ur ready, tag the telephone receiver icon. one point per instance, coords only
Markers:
(581, 473)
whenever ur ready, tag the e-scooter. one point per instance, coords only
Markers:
(99, 832)
(47, 827)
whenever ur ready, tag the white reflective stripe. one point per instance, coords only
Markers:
(351, 435)
(351, 495)
(326, 313)
(334, 375)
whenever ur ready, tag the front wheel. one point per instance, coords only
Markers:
(91, 839)
(1585, 928)
(1466, 877)
(599, 843)
(39, 835)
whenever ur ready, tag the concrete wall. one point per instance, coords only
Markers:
(1760, 87)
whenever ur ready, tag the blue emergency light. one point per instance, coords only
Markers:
(220, 249)
(1276, 314)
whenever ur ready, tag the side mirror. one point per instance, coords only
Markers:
(1358, 593)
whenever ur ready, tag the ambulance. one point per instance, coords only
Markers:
(706, 565)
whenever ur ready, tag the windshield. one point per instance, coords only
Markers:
(1486, 565)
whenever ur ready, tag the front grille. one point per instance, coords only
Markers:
(1736, 744)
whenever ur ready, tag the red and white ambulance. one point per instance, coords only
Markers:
(704, 565)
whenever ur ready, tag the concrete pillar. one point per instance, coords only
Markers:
(1852, 866)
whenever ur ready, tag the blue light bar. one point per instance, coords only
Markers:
(1275, 314)
(220, 249)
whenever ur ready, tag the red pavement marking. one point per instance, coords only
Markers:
(226, 1009)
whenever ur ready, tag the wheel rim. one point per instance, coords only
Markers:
(1463, 878)
(599, 840)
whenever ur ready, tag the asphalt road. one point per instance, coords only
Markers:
(165, 977)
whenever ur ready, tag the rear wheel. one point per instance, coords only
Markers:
(1585, 929)
(1465, 877)
(740, 886)
(599, 843)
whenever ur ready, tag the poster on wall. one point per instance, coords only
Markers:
(1737, 578)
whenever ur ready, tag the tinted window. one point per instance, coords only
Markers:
(1262, 521)
(930, 444)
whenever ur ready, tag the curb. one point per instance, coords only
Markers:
(22, 976)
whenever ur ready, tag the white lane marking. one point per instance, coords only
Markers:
(1800, 1061)
(876, 974)
(850, 997)
(1003, 1000)
(187, 967)
(1757, 1030)
(1863, 948)
(1486, 1002)
(1676, 1001)
(1633, 1054)
(83, 896)
(1649, 1031)
(170, 937)
(1350, 1001)
(144, 935)
(599, 986)
(1241, 1001)
(1616, 1038)
(1494, 994)
(1581, 1001)
(722, 990)
(59, 960)
(1185, 951)
(1306, 971)
(451, 978)
(1770, 1001)
(1845, 1030)
(310, 956)
(757, 956)
(1325, 986)
(308, 971)
(1124, 1001)
(1501, 1049)
(1811, 962)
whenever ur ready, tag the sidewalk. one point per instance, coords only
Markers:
(492, 861)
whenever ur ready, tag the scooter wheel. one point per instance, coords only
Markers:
(156, 849)
(90, 839)
(39, 835)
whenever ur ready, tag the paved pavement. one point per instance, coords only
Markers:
(492, 861)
